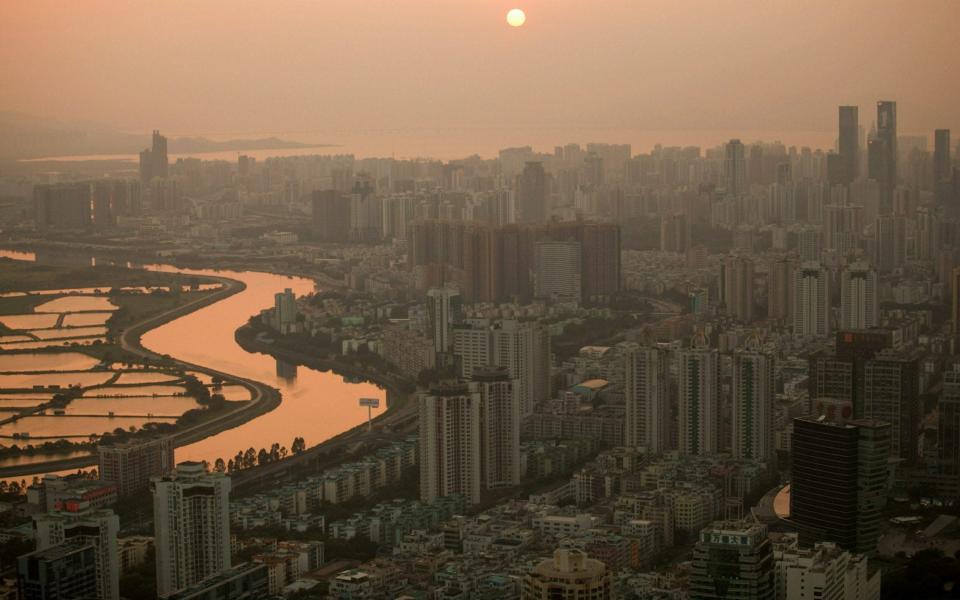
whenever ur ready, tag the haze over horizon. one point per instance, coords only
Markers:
(414, 73)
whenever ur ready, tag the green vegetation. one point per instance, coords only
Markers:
(927, 574)
(21, 276)
(141, 581)
(590, 332)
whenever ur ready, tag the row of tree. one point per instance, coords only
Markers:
(246, 459)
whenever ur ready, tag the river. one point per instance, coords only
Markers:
(315, 405)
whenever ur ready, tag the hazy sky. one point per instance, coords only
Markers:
(328, 68)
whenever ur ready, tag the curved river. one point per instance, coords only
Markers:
(315, 405)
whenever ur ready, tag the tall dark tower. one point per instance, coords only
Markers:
(883, 153)
(849, 147)
(158, 153)
(532, 194)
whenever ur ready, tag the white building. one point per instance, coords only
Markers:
(500, 415)
(699, 404)
(647, 385)
(450, 446)
(99, 528)
(191, 519)
(859, 298)
(811, 304)
(824, 572)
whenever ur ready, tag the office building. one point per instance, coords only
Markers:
(753, 403)
(130, 465)
(736, 286)
(191, 518)
(451, 460)
(823, 572)
(859, 297)
(848, 146)
(445, 309)
(500, 425)
(67, 570)
(647, 395)
(891, 383)
(569, 575)
(811, 301)
(331, 216)
(839, 478)
(882, 154)
(97, 528)
(699, 402)
(532, 194)
(732, 560)
(734, 168)
(557, 274)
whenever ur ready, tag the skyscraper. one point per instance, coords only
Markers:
(569, 575)
(532, 194)
(732, 560)
(450, 442)
(444, 308)
(890, 247)
(753, 397)
(942, 166)
(883, 153)
(811, 303)
(191, 519)
(849, 141)
(838, 489)
(647, 394)
(77, 522)
(948, 427)
(780, 284)
(557, 275)
(859, 297)
(734, 168)
(890, 394)
(500, 418)
(736, 275)
(154, 161)
(331, 216)
(699, 405)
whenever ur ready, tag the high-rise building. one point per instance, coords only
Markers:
(558, 268)
(839, 375)
(859, 297)
(732, 560)
(891, 394)
(97, 528)
(811, 301)
(734, 168)
(948, 426)
(131, 465)
(532, 194)
(849, 142)
(67, 570)
(62, 206)
(808, 243)
(942, 165)
(674, 233)
(839, 472)
(285, 313)
(191, 520)
(882, 152)
(569, 575)
(451, 460)
(500, 429)
(780, 282)
(842, 224)
(366, 211)
(753, 403)
(444, 308)
(699, 402)
(736, 277)
(154, 161)
(890, 247)
(647, 394)
(331, 216)
(823, 572)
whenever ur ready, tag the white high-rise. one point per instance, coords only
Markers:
(859, 302)
(450, 443)
(191, 519)
(98, 528)
(647, 387)
(444, 308)
(811, 301)
(753, 393)
(557, 274)
(500, 425)
(699, 406)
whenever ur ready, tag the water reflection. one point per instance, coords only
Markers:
(286, 371)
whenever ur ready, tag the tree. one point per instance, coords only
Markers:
(249, 458)
(263, 457)
(219, 466)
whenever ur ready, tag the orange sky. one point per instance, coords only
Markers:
(313, 68)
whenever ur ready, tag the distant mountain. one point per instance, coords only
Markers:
(29, 136)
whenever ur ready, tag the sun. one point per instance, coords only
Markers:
(516, 17)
